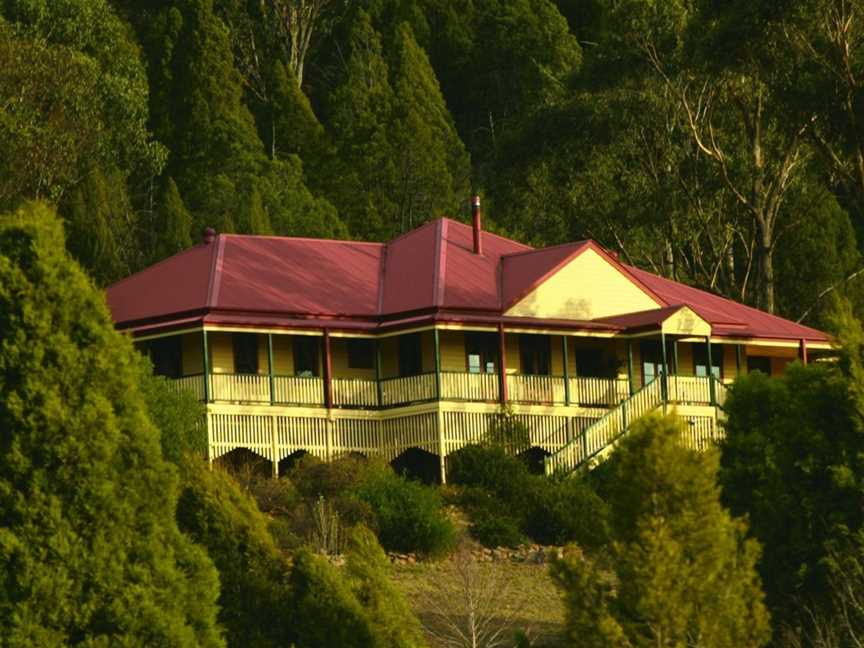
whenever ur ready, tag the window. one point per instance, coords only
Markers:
(166, 354)
(361, 354)
(759, 363)
(305, 356)
(245, 353)
(535, 355)
(410, 355)
(700, 360)
(481, 350)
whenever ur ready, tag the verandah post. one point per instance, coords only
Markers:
(664, 384)
(378, 371)
(270, 368)
(566, 372)
(437, 338)
(206, 365)
(630, 367)
(738, 362)
(502, 371)
(328, 370)
(710, 371)
(803, 350)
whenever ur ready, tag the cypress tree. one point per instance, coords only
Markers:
(89, 547)
(679, 570)
(399, 159)
(198, 110)
(431, 162)
(100, 223)
(175, 222)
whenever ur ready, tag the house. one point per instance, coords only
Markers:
(413, 346)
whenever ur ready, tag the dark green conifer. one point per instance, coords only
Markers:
(90, 552)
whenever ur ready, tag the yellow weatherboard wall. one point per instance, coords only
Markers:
(586, 288)
(685, 322)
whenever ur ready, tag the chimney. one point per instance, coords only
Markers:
(208, 236)
(478, 229)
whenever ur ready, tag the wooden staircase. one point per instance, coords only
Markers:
(597, 441)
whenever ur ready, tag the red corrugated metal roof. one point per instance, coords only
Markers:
(726, 317)
(432, 269)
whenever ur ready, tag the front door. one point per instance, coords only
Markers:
(652, 360)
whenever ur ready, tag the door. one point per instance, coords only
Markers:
(652, 360)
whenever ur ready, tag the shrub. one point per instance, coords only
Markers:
(331, 615)
(551, 511)
(217, 514)
(409, 515)
(273, 496)
(491, 468)
(368, 573)
(178, 415)
(314, 478)
(496, 530)
(566, 510)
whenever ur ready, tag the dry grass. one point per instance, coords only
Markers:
(527, 599)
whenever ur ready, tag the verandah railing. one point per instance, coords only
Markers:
(481, 387)
(528, 388)
(459, 386)
(606, 392)
(408, 389)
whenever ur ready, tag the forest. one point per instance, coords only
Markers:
(717, 143)
(714, 142)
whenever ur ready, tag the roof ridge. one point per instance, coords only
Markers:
(214, 281)
(413, 231)
(439, 267)
(155, 265)
(551, 247)
(490, 233)
(300, 238)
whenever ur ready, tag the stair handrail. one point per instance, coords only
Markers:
(582, 436)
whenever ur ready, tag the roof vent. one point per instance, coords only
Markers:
(478, 229)
(208, 236)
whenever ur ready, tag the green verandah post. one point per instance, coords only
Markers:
(378, 371)
(664, 385)
(566, 372)
(437, 339)
(630, 367)
(270, 367)
(710, 371)
(206, 366)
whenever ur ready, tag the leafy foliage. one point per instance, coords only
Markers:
(507, 502)
(791, 462)
(679, 566)
(90, 548)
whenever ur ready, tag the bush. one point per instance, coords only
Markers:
(331, 615)
(409, 515)
(273, 496)
(368, 573)
(490, 468)
(496, 530)
(550, 511)
(178, 415)
(566, 510)
(253, 573)
(314, 478)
